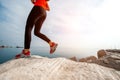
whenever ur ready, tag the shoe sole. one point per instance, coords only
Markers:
(23, 56)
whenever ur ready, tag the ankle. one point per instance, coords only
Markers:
(50, 43)
(26, 50)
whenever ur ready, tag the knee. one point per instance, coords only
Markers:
(36, 33)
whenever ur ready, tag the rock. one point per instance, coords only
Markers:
(101, 53)
(73, 58)
(113, 50)
(41, 68)
(110, 59)
(83, 60)
(88, 59)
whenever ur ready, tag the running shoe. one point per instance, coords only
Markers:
(23, 55)
(53, 47)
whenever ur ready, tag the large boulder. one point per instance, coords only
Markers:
(101, 53)
(41, 68)
(109, 58)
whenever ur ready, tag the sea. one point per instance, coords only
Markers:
(7, 54)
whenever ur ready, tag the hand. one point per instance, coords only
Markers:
(33, 1)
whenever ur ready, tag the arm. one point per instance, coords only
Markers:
(47, 6)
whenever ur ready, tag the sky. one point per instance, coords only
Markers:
(80, 27)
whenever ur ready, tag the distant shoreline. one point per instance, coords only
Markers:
(3, 46)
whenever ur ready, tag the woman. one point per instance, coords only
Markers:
(36, 18)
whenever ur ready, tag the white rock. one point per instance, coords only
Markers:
(40, 68)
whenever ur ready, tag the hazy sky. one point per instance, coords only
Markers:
(79, 26)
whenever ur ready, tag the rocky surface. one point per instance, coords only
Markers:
(42, 68)
(111, 58)
(108, 58)
(88, 59)
(73, 58)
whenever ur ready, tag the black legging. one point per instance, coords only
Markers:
(36, 17)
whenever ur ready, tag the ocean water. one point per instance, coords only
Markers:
(7, 54)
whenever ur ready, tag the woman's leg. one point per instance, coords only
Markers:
(32, 18)
(38, 26)
(34, 14)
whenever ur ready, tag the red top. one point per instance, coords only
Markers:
(42, 3)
